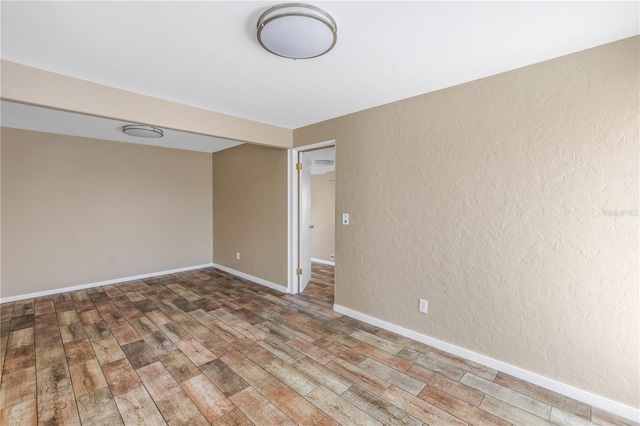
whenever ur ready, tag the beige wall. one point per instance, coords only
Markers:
(78, 210)
(250, 211)
(323, 215)
(496, 201)
(24, 84)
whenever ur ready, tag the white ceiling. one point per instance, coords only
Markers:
(27, 117)
(205, 54)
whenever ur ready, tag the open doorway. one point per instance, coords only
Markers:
(312, 224)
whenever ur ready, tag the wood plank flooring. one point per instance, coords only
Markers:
(206, 348)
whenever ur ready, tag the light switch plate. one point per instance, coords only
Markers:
(345, 218)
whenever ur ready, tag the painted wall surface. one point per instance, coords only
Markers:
(24, 84)
(511, 205)
(250, 211)
(78, 210)
(323, 215)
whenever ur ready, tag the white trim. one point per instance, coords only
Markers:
(324, 262)
(252, 278)
(598, 401)
(292, 186)
(100, 283)
(292, 217)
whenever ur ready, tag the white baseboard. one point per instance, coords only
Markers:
(598, 401)
(256, 280)
(324, 262)
(99, 283)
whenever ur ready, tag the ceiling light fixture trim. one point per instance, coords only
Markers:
(141, 131)
(297, 31)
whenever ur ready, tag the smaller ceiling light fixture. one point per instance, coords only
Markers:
(297, 31)
(142, 131)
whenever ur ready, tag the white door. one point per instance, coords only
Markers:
(304, 199)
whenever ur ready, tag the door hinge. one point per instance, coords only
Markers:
(298, 166)
(298, 271)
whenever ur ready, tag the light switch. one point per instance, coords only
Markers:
(345, 218)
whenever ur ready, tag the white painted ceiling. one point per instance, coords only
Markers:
(28, 117)
(205, 54)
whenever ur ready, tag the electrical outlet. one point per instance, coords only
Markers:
(238, 255)
(424, 305)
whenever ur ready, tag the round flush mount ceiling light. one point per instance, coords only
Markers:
(142, 131)
(297, 31)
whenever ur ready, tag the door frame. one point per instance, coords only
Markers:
(292, 211)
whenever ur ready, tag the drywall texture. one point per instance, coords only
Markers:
(323, 215)
(78, 210)
(511, 205)
(24, 84)
(250, 211)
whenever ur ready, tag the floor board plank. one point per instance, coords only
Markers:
(204, 347)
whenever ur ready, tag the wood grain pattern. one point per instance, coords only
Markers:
(552, 398)
(59, 411)
(419, 408)
(139, 354)
(158, 342)
(384, 357)
(261, 380)
(179, 366)
(312, 351)
(233, 418)
(323, 375)
(99, 407)
(224, 377)
(259, 410)
(516, 399)
(378, 408)
(457, 389)
(159, 383)
(359, 376)
(53, 382)
(339, 409)
(207, 397)
(433, 364)
(390, 375)
(460, 409)
(18, 387)
(195, 351)
(299, 409)
(137, 408)
(180, 410)
(203, 347)
(120, 376)
(25, 413)
(511, 413)
(290, 376)
(79, 352)
(87, 377)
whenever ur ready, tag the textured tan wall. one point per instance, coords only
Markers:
(78, 210)
(250, 211)
(510, 204)
(24, 84)
(323, 215)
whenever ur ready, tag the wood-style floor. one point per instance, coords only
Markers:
(203, 347)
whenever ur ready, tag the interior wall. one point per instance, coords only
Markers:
(250, 211)
(511, 204)
(323, 215)
(28, 85)
(78, 210)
